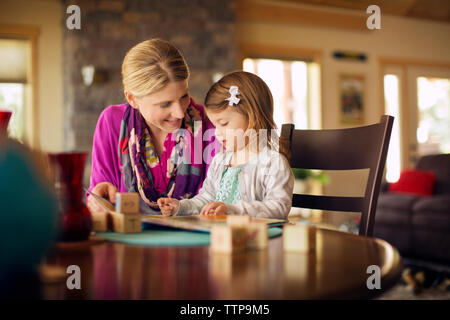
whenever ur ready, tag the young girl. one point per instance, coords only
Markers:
(250, 177)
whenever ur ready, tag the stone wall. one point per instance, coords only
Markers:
(203, 30)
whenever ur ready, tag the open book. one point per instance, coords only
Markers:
(202, 223)
(197, 222)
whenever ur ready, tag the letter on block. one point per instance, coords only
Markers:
(126, 223)
(238, 221)
(100, 221)
(299, 238)
(127, 203)
(228, 239)
(257, 235)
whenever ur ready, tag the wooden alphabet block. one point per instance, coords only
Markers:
(299, 238)
(257, 235)
(238, 221)
(100, 221)
(127, 203)
(126, 223)
(228, 239)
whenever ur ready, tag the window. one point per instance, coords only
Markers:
(12, 97)
(14, 62)
(392, 105)
(433, 131)
(294, 86)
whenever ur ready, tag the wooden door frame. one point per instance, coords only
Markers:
(403, 64)
(261, 51)
(30, 33)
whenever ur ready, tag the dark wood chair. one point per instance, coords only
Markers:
(341, 149)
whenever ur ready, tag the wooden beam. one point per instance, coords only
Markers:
(247, 10)
(407, 7)
(413, 62)
(255, 50)
(18, 31)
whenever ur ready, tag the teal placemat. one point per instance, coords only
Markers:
(161, 238)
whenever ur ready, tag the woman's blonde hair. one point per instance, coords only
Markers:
(256, 102)
(150, 65)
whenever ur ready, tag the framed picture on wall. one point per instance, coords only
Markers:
(351, 96)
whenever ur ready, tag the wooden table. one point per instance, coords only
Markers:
(337, 269)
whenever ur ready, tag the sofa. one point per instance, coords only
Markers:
(418, 226)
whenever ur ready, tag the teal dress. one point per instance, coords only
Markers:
(228, 191)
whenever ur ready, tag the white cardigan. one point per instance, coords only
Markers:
(266, 185)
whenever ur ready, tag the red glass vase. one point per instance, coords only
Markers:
(76, 221)
(5, 115)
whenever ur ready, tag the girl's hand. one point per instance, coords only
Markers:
(168, 206)
(105, 190)
(215, 208)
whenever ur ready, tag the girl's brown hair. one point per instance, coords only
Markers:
(256, 102)
(150, 65)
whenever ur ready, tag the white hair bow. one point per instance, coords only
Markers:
(233, 99)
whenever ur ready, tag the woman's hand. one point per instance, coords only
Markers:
(168, 206)
(105, 190)
(215, 208)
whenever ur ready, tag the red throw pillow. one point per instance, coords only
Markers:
(416, 182)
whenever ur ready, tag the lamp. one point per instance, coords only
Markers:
(92, 75)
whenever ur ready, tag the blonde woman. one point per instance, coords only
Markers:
(251, 177)
(160, 142)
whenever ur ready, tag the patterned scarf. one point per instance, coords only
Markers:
(137, 156)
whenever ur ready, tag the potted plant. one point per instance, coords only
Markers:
(304, 177)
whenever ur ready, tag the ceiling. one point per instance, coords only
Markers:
(436, 10)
